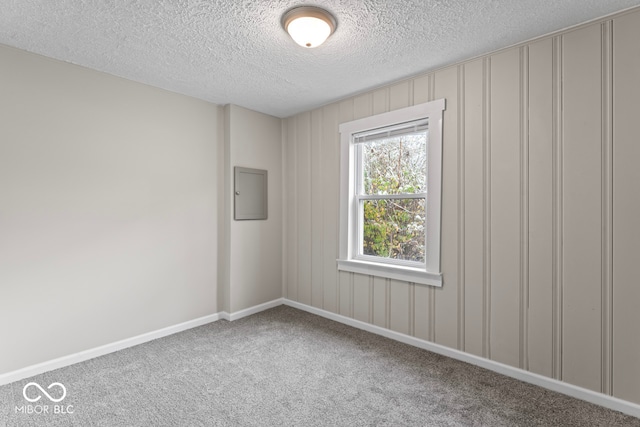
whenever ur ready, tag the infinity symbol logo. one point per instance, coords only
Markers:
(64, 392)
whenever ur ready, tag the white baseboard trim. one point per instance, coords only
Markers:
(71, 359)
(251, 310)
(610, 402)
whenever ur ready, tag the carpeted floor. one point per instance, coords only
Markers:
(285, 367)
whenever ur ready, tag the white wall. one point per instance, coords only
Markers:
(540, 209)
(254, 248)
(109, 199)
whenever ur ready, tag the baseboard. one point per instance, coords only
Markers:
(251, 310)
(604, 400)
(71, 359)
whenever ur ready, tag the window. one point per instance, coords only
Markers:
(390, 194)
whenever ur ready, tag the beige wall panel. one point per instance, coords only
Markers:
(317, 183)
(473, 206)
(381, 101)
(421, 89)
(363, 106)
(582, 207)
(626, 209)
(446, 322)
(304, 206)
(345, 113)
(291, 254)
(399, 306)
(505, 207)
(345, 280)
(380, 302)
(330, 202)
(540, 207)
(361, 297)
(345, 290)
(421, 309)
(399, 95)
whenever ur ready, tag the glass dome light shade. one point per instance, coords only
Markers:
(308, 26)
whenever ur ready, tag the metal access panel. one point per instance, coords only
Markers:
(250, 188)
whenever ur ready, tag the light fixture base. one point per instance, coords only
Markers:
(299, 31)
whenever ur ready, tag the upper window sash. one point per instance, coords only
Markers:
(386, 132)
(360, 164)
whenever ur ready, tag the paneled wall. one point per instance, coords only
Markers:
(540, 209)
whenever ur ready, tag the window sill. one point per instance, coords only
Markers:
(407, 274)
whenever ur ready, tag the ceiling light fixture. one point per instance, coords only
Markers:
(309, 26)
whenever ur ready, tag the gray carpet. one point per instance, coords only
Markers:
(285, 367)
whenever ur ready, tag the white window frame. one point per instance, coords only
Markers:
(427, 273)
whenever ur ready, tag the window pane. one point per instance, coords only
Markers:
(395, 165)
(394, 228)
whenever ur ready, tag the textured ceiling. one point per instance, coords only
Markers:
(235, 51)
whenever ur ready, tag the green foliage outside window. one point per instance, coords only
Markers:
(394, 227)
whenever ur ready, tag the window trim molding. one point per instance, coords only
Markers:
(431, 275)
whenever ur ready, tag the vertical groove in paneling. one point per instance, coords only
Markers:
(292, 291)
(303, 191)
(285, 205)
(607, 207)
(321, 168)
(432, 86)
(557, 208)
(461, 208)
(317, 212)
(486, 183)
(524, 207)
(412, 92)
(432, 290)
